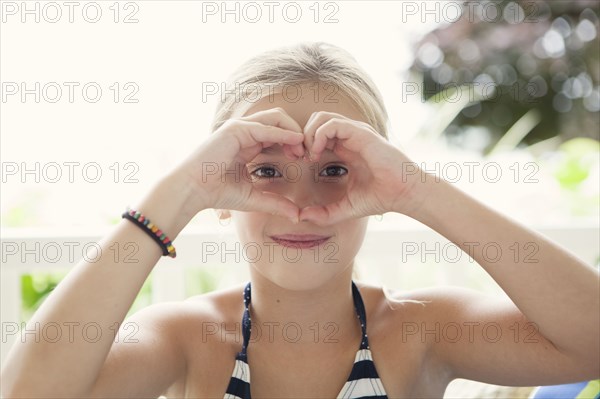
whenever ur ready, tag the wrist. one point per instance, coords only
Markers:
(168, 204)
(413, 192)
(431, 197)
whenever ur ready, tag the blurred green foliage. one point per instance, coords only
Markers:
(200, 280)
(579, 156)
(36, 286)
(520, 56)
(26, 212)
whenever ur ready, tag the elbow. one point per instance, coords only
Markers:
(587, 366)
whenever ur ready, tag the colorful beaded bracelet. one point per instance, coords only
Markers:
(152, 230)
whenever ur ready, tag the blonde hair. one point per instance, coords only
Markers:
(298, 64)
(391, 301)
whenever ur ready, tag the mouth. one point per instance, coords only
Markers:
(300, 240)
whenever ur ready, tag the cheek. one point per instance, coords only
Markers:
(247, 224)
(327, 190)
(351, 234)
(333, 190)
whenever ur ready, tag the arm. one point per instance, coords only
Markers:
(553, 289)
(559, 293)
(102, 292)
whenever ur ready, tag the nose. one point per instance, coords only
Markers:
(303, 187)
(310, 187)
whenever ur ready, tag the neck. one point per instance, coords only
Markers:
(321, 315)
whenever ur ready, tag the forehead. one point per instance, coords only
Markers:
(300, 101)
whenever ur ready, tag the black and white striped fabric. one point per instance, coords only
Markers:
(363, 381)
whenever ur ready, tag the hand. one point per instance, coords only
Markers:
(377, 182)
(217, 169)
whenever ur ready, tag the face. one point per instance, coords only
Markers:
(305, 183)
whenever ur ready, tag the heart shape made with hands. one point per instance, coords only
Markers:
(377, 179)
(373, 186)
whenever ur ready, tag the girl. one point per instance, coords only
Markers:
(306, 174)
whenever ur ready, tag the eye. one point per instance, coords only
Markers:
(266, 172)
(334, 171)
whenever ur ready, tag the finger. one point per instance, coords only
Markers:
(340, 129)
(296, 150)
(324, 138)
(291, 151)
(267, 135)
(288, 151)
(299, 150)
(309, 133)
(275, 117)
(264, 201)
(319, 216)
(316, 119)
(328, 214)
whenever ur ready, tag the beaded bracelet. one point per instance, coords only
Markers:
(152, 230)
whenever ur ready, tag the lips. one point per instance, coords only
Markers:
(300, 240)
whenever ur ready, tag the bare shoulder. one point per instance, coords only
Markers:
(436, 303)
(217, 300)
(219, 308)
(483, 337)
(211, 306)
(435, 296)
(168, 343)
(208, 332)
(392, 304)
(434, 315)
(402, 349)
(182, 323)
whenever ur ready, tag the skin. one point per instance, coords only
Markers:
(547, 330)
(410, 364)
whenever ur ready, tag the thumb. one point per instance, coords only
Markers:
(328, 214)
(275, 204)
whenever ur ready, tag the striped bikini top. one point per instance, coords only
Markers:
(362, 382)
